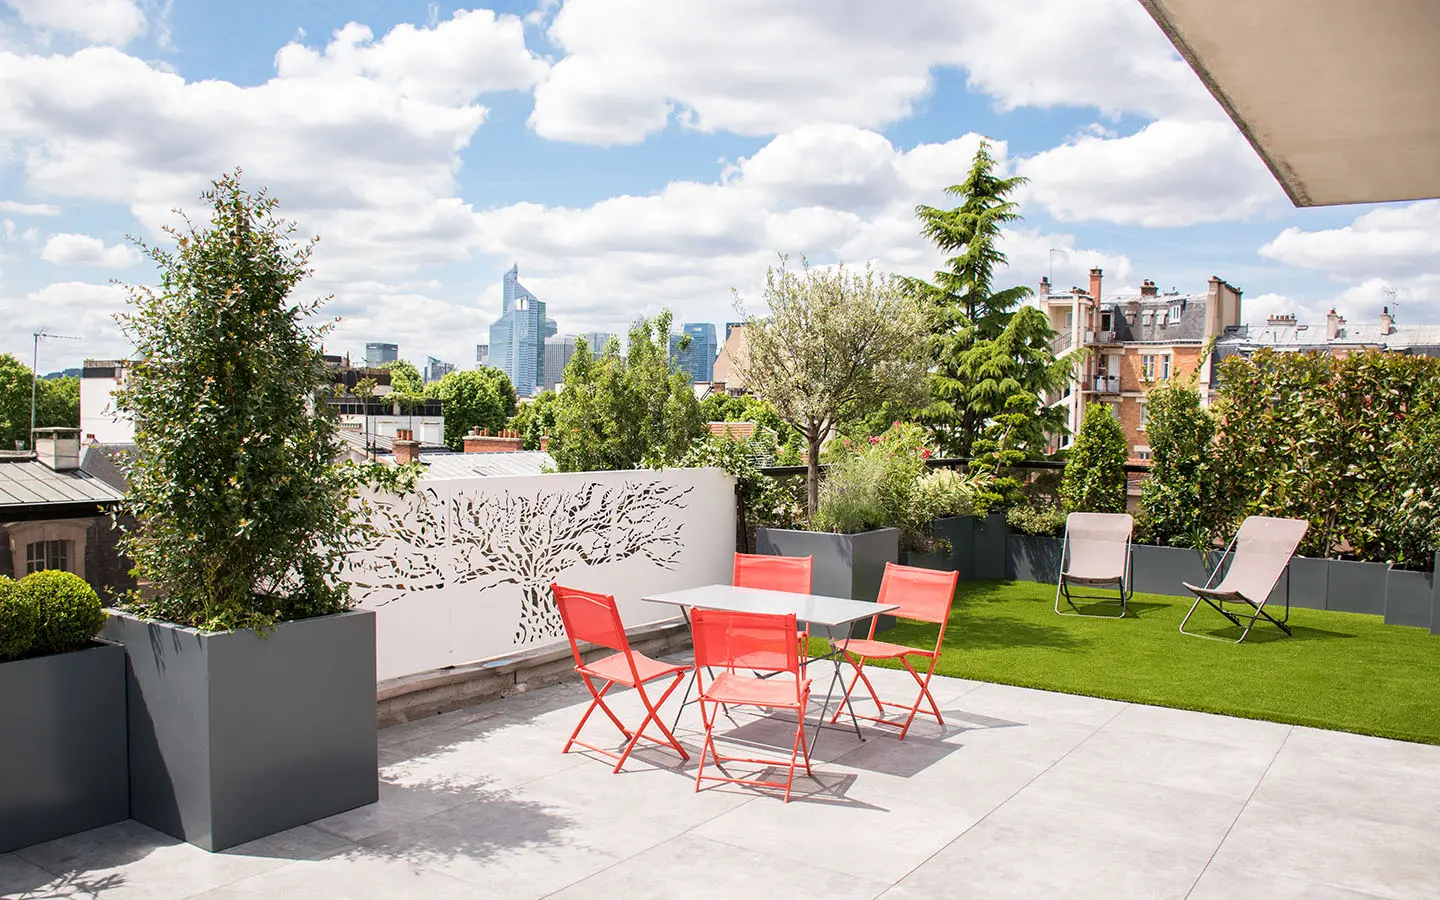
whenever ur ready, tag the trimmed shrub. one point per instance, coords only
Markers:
(18, 619)
(1037, 519)
(1095, 472)
(1178, 502)
(69, 611)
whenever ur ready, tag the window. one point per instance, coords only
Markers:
(1146, 316)
(42, 555)
(1142, 453)
(1160, 318)
(1105, 322)
(1164, 366)
(1147, 366)
(1141, 426)
(1175, 310)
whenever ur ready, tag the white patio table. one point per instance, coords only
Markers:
(834, 614)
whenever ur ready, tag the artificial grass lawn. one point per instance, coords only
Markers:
(1341, 671)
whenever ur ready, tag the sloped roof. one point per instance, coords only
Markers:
(1146, 327)
(29, 483)
(448, 464)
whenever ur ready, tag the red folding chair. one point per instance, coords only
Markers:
(921, 594)
(595, 618)
(774, 573)
(754, 642)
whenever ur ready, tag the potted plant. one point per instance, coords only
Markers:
(1032, 549)
(62, 699)
(941, 527)
(251, 680)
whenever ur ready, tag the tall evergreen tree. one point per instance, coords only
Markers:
(985, 356)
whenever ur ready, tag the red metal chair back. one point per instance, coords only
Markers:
(925, 595)
(774, 573)
(758, 642)
(590, 617)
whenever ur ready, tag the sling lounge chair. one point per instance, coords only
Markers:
(1259, 554)
(1095, 554)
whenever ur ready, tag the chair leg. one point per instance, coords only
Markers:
(652, 714)
(707, 747)
(598, 699)
(924, 694)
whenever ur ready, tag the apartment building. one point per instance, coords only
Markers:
(1131, 342)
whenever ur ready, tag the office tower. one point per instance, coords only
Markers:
(436, 369)
(597, 341)
(698, 359)
(517, 339)
(558, 350)
(378, 354)
(482, 354)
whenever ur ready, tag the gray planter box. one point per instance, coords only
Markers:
(846, 565)
(1357, 587)
(941, 562)
(988, 559)
(234, 736)
(1409, 597)
(960, 532)
(1163, 570)
(1031, 557)
(1309, 582)
(62, 756)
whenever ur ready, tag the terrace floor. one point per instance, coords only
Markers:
(1023, 793)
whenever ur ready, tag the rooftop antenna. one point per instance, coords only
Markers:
(35, 371)
(1053, 251)
(1391, 302)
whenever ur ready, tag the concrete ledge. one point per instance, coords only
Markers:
(412, 697)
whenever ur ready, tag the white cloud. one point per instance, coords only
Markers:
(70, 307)
(114, 22)
(686, 245)
(1170, 173)
(28, 209)
(87, 250)
(750, 66)
(1396, 242)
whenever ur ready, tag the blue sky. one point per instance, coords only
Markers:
(633, 155)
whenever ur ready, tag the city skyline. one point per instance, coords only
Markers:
(461, 140)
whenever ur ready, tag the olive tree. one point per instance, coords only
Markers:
(835, 345)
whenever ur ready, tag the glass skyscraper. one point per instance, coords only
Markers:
(378, 354)
(517, 339)
(698, 359)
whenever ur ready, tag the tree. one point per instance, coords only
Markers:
(1095, 472)
(535, 420)
(365, 388)
(482, 397)
(404, 377)
(968, 316)
(242, 515)
(836, 345)
(623, 412)
(57, 402)
(1178, 502)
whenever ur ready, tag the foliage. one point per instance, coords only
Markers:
(998, 449)
(763, 500)
(877, 483)
(945, 492)
(384, 477)
(18, 619)
(481, 397)
(404, 377)
(365, 388)
(1037, 518)
(989, 360)
(1178, 503)
(836, 345)
(1095, 471)
(623, 412)
(1415, 522)
(241, 516)
(1316, 437)
(57, 402)
(68, 611)
(535, 420)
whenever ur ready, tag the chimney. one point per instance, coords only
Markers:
(1333, 321)
(544, 443)
(57, 448)
(1387, 321)
(1282, 319)
(1044, 286)
(1147, 289)
(1095, 284)
(480, 441)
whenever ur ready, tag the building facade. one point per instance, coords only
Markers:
(436, 369)
(482, 354)
(378, 354)
(697, 359)
(1133, 342)
(1336, 337)
(558, 350)
(517, 339)
(597, 340)
(726, 373)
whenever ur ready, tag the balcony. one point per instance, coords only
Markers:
(1106, 384)
(1100, 337)
(1061, 342)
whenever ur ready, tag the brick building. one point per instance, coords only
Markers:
(1132, 342)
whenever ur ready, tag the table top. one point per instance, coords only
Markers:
(813, 608)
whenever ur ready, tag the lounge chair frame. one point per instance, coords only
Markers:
(1218, 599)
(1124, 583)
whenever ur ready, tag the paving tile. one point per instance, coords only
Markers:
(23, 880)
(1006, 702)
(404, 802)
(700, 869)
(1199, 765)
(355, 875)
(1345, 748)
(1330, 848)
(1351, 789)
(1002, 861)
(1257, 880)
(1183, 723)
(127, 860)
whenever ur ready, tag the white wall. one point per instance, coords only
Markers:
(462, 568)
(427, 429)
(98, 416)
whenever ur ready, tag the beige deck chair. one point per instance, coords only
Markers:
(1095, 553)
(1259, 554)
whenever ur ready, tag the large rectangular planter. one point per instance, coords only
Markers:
(1357, 587)
(62, 744)
(1309, 583)
(988, 555)
(845, 565)
(940, 562)
(1409, 597)
(1031, 557)
(1164, 570)
(959, 531)
(234, 735)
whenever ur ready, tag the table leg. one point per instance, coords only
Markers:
(836, 656)
(694, 674)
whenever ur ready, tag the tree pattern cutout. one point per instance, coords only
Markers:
(428, 542)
